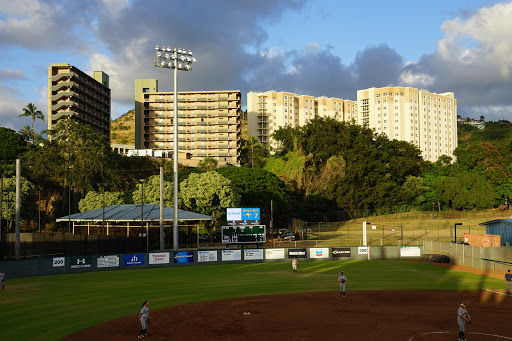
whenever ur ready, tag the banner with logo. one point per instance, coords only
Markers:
(317, 252)
(59, 261)
(184, 257)
(228, 255)
(134, 259)
(83, 262)
(252, 254)
(159, 258)
(274, 254)
(107, 261)
(410, 251)
(206, 256)
(297, 253)
(341, 252)
(362, 250)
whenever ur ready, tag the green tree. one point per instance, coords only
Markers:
(466, 191)
(257, 187)
(12, 144)
(209, 193)
(208, 164)
(94, 200)
(286, 139)
(26, 132)
(31, 111)
(253, 152)
(152, 192)
(28, 200)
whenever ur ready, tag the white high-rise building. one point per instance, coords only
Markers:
(268, 111)
(425, 119)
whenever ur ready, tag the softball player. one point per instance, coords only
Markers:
(144, 318)
(462, 317)
(294, 264)
(342, 279)
(2, 279)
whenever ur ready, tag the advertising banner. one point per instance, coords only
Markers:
(362, 250)
(243, 216)
(340, 252)
(81, 262)
(316, 252)
(159, 258)
(107, 261)
(410, 251)
(253, 254)
(184, 257)
(207, 256)
(297, 253)
(274, 254)
(228, 255)
(59, 261)
(134, 259)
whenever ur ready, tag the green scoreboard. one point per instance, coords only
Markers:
(243, 234)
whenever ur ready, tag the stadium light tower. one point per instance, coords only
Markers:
(177, 59)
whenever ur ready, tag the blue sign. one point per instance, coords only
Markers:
(184, 257)
(134, 259)
(251, 214)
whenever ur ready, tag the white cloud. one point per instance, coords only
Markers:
(10, 74)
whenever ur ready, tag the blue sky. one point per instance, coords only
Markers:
(327, 47)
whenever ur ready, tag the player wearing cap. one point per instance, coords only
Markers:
(462, 317)
(294, 264)
(342, 279)
(508, 281)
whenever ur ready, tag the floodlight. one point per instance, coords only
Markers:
(170, 64)
(163, 47)
(180, 66)
(194, 60)
(187, 67)
(162, 63)
(167, 56)
(169, 49)
(190, 52)
(157, 47)
(173, 56)
(158, 54)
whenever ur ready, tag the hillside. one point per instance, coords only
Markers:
(123, 129)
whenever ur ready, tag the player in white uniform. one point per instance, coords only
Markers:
(294, 264)
(462, 317)
(144, 318)
(342, 279)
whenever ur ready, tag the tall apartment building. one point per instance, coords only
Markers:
(76, 95)
(270, 110)
(209, 123)
(425, 119)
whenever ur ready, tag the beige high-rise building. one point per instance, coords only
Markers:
(76, 95)
(209, 123)
(268, 111)
(425, 119)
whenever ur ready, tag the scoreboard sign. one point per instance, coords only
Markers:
(243, 234)
(243, 216)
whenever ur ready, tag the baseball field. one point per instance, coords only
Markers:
(249, 301)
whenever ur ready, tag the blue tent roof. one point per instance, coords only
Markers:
(119, 213)
(506, 221)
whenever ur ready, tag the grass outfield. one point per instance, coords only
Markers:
(51, 307)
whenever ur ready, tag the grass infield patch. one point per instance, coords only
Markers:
(51, 307)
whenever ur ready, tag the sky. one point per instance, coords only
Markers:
(310, 47)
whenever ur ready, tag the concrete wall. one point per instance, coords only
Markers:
(484, 258)
(73, 264)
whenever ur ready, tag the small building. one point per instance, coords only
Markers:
(501, 227)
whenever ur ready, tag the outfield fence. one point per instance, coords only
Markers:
(478, 257)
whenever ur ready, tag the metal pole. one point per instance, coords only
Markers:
(162, 209)
(69, 208)
(2, 207)
(142, 214)
(175, 160)
(39, 208)
(103, 207)
(18, 208)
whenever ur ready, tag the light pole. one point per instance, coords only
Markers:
(142, 213)
(2, 207)
(433, 204)
(456, 224)
(177, 59)
(102, 185)
(39, 188)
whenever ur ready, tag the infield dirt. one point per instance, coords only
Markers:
(363, 315)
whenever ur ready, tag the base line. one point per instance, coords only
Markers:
(500, 293)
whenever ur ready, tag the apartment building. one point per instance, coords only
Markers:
(76, 95)
(270, 110)
(209, 123)
(425, 119)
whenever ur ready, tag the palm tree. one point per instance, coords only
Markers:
(26, 132)
(32, 111)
